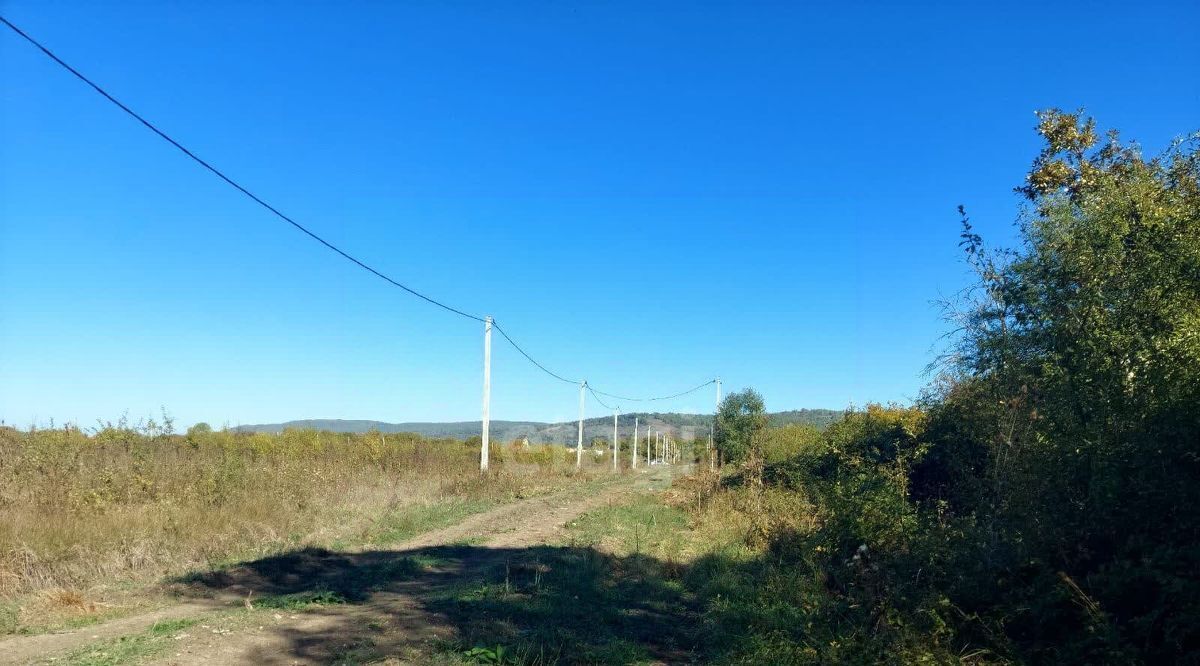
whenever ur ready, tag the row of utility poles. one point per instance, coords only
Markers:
(664, 450)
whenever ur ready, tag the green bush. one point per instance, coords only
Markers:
(1042, 504)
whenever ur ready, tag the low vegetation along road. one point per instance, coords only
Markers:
(421, 601)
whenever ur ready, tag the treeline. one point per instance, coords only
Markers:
(538, 432)
(1040, 503)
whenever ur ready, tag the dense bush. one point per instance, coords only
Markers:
(1042, 504)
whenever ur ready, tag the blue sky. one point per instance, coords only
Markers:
(644, 194)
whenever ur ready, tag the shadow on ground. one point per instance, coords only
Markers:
(540, 605)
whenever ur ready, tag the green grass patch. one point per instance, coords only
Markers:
(642, 525)
(10, 617)
(300, 600)
(132, 648)
(409, 521)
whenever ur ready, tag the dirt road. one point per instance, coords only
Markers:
(315, 607)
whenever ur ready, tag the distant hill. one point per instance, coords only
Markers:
(684, 426)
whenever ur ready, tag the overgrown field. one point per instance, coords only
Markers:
(82, 514)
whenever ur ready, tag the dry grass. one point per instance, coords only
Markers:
(81, 512)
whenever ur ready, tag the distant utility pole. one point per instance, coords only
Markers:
(712, 435)
(579, 442)
(633, 458)
(616, 442)
(649, 436)
(487, 392)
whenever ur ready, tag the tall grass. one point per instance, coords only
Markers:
(134, 503)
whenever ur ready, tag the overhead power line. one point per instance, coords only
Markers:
(661, 397)
(531, 359)
(229, 180)
(602, 403)
(595, 393)
(275, 211)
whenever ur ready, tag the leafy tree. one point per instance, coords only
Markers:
(741, 420)
(1078, 377)
(1040, 504)
(198, 432)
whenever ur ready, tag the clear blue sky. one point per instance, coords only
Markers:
(645, 194)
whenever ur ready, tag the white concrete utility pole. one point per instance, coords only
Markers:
(649, 436)
(616, 442)
(487, 392)
(712, 437)
(579, 442)
(633, 457)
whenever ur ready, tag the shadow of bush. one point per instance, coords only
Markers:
(543, 605)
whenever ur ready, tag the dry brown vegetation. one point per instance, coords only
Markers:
(85, 511)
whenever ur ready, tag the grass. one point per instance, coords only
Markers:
(640, 525)
(300, 600)
(403, 524)
(662, 576)
(610, 592)
(132, 648)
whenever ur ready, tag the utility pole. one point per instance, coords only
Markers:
(633, 458)
(616, 442)
(649, 436)
(487, 392)
(579, 442)
(712, 437)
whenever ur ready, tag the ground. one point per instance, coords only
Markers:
(512, 585)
